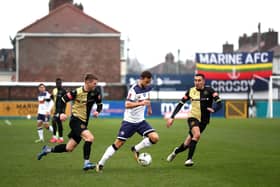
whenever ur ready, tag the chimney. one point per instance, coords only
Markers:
(53, 4)
(270, 39)
(254, 39)
(227, 48)
(243, 41)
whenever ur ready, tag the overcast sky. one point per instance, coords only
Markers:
(157, 27)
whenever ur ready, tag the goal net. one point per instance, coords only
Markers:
(274, 97)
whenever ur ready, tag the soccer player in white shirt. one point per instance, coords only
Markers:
(134, 121)
(44, 109)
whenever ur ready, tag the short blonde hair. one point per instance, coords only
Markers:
(90, 76)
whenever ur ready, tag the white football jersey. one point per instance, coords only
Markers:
(45, 103)
(136, 94)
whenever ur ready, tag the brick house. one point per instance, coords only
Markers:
(6, 60)
(265, 41)
(67, 43)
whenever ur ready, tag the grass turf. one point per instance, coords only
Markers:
(231, 152)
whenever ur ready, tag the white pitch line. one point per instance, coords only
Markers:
(8, 122)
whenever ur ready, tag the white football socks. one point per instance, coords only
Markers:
(40, 133)
(108, 153)
(51, 128)
(144, 143)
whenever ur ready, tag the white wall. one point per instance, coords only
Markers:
(177, 95)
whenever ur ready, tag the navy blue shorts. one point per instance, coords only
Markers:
(128, 129)
(43, 118)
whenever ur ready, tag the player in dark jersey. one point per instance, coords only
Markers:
(59, 107)
(201, 98)
(83, 99)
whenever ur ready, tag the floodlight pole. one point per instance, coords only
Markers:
(270, 96)
(259, 37)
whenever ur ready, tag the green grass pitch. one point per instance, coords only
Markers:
(231, 152)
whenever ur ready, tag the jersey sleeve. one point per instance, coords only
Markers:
(214, 94)
(186, 96)
(48, 97)
(69, 96)
(180, 104)
(218, 102)
(49, 101)
(99, 100)
(62, 103)
(131, 95)
(52, 95)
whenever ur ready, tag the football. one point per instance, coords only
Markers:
(145, 159)
(28, 116)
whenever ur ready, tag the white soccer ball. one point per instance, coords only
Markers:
(145, 159)
(28, 116)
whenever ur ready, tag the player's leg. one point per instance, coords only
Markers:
(88, 138)
(110, 151)
(60, 148)
(46, 123)
(192, 145)
(194, 125)
(40, 132)
(54, 125)
(151, 137)
(60, 131)
(69, 147)
(126, 130)
(40, 129)
(184, 145)
(179, 149)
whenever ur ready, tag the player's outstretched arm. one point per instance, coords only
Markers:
(130, 104)
(169, 122)
(99, 109)
(210, 109)
(150, 111)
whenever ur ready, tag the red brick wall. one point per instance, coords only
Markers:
(18, 93)
(30, 93)
(46, 58)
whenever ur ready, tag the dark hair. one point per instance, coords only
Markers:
(200, 75)
(90, 76)
(146, 74)
(58, 82)
(41, 84)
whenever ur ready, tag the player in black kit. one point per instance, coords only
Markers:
(201, 98)
(83, 99)
(59, 107)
